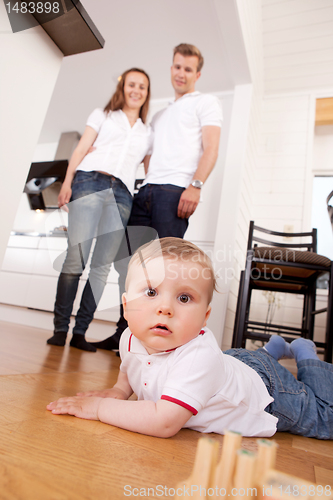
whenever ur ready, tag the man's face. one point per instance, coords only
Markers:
(184, 74)
(172, 308)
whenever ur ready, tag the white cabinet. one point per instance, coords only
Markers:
(30, 273)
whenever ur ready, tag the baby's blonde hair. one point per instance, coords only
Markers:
(176, 249)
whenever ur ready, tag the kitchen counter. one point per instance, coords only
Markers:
(53, 234)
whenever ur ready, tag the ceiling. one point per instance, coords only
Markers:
(143, 33)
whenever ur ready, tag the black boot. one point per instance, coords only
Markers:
(112, 343)
(59, 338)
(80, 342)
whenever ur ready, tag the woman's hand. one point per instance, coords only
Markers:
(64, 195)
(87, 140)
(80, 407)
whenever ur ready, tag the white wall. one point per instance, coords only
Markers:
(323, 150)
(298, 44)
(286, 135)
(251, 25)
(230, 201)
(30, 63)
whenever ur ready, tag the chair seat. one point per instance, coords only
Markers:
(289, 255)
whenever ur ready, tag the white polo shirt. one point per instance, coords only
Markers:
(221, 391)
(177, 142)
(120, 148)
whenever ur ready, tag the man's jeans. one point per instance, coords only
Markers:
(100, 207)
(154, 206)
(303, 406)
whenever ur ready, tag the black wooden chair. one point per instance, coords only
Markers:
(329, 202)
(287, 268)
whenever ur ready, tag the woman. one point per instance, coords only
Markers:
(100, 187)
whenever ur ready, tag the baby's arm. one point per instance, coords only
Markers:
(160, 419)
(121, 389)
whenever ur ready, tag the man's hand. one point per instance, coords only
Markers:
(81, 407)
(188, 202)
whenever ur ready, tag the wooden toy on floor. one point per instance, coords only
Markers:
(243, 475)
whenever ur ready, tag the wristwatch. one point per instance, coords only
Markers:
(197, 184)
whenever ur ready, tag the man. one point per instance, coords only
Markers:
(185, 149)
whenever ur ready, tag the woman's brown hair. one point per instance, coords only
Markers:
(117, 101)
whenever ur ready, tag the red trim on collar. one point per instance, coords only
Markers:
(202, 332)
(129, 342)
(180, 403)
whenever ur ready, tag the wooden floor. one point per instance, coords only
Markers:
(49, 457)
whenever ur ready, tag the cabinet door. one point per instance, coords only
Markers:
(41, 292)
(14, 288)
(19, 260)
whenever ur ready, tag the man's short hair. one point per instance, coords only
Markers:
(176, 249)
(186, 49)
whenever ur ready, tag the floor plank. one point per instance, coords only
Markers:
(46, 457)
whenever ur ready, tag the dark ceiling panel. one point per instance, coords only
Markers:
(73, 31)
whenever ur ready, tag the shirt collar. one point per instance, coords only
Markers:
(135, 346)
(125, 119)
(189, 94)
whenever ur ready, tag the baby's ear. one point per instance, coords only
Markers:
(124, 301)
(209, 309)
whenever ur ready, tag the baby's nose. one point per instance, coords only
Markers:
(165, 308)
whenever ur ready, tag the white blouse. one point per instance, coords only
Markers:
(120, 148)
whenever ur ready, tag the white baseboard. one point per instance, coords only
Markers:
(98, 329)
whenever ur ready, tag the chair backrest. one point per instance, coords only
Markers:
(329, 207)
(310, 245)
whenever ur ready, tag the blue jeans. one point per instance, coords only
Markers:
(100, 207)
(155, 205)
(303, 406)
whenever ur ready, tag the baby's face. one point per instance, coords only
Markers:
(173, 311)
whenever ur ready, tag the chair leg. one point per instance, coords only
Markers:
(242, 306)
(235, 336)
(329, 321)
(310, 306)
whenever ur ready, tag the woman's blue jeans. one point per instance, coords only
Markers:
(304, 405)
(100, 207)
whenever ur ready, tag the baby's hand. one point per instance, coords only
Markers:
(82, 407)
(106, 393)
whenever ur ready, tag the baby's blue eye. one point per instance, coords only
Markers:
(184, 299)
(151, 292)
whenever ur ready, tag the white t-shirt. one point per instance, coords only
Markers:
(120, 148)
(222, 392)
(177, 142)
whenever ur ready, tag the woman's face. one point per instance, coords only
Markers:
(135, 90)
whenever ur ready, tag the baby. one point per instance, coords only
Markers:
(181, 378)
